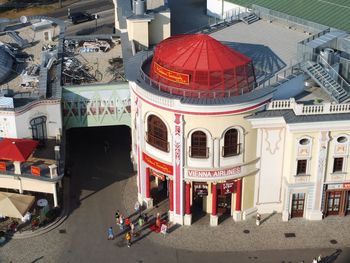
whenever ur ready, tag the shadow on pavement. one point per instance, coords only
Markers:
(93, 165)
(331, 258)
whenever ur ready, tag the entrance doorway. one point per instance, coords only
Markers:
(333, 202)
(159, 186)
(199, 193)
(224, 204)
(347, 205)
(298, 201)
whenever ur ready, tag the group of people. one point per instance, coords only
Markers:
(125, 223)
(315, 260)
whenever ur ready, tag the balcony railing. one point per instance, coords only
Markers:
(157, 142)
(199, 152)
(300, 109)
(231, 150)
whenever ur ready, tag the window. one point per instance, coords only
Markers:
(231, 145)
(38, 126)
(198, 147)
(342, 139)
(338, 165)
(157, 134)
(304, 141)
(301, 167)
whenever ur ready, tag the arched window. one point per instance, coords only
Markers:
(199, 147)
(157, 134)
(231, 145)
(38, 126)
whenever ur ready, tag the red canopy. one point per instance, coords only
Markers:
(16, 149)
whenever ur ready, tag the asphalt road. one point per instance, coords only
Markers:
(98, 182)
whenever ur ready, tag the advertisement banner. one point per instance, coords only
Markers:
(171, 75)
(35, 170)
(2, 166)
(227, 187)
(200, 189)
(162, 167)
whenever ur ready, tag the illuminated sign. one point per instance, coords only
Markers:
(163, 167)
(171, 75)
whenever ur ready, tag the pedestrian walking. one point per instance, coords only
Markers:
(137, 207)
(128, 238)
(132, 229)
(141, 221)
(314, 260)
(319, 259)
(121, 222)
(258, 219)
(127, 222)
(110, 233)
(117, 215)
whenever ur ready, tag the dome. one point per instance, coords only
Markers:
(202, 67)
(6, 62)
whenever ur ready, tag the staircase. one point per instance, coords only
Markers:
(22, 43)
(339, 92)
(249, 18)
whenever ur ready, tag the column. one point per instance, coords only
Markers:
(237, 214)
(178, 155)
(216, 152)
(213, 217)
(316, 213)
(239, 195)
(171, 200)
(54, 192)
(188, 215)
(148, 200)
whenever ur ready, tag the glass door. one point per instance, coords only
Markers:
(298, 201)
(333, 203)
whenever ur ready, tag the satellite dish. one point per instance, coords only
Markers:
(23, 19)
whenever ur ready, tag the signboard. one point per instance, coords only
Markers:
(158, 175)
(35, 170)
(164, 229)
(2, 166)
(163, 167)
(346, 185)
(171, 75)
(227, 187)
(213, 173)
(334, 186)
(200, 189)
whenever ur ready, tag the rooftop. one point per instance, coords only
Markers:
(332, 13)
(92, 59)
(33, 60)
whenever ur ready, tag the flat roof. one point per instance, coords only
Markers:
(271, 46)
(92, 59)
(25, 80)
(332, 13)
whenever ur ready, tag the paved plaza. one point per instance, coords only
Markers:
(103, 182)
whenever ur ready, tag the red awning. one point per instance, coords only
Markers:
(16, 149)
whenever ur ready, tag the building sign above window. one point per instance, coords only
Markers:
(158, 175)
(208, 174)
(171, 75)
(200, 189)
(162, 167)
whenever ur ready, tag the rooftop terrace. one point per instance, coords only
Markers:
(33, 50)
(332, 13)
(92, 59)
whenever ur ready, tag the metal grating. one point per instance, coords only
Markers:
(288, 235)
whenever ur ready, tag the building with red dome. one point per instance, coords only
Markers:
(200, 66)
(191, 140)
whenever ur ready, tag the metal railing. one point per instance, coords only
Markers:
(191, 93)
(231, 150)
(157, 142)
(199, 152)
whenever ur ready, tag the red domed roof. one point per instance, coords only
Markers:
(193, 64)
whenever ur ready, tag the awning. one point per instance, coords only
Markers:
(16, 149)
(15, 205)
